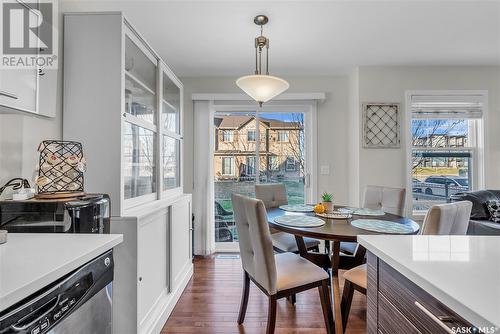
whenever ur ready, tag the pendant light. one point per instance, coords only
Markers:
(262, 87)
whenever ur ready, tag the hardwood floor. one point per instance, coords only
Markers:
(211, 301)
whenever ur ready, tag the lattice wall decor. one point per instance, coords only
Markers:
(381, 125)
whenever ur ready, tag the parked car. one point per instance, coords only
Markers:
(444, 186)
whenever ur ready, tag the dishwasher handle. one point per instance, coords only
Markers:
(45, 309)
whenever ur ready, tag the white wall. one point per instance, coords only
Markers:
(333, 118)
(388, 84)
(19, 139)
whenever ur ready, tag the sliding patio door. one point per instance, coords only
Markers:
(253, 147)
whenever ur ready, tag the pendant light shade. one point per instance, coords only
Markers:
(262, 88)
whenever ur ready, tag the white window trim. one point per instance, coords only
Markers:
(224, 132)
(479, 159)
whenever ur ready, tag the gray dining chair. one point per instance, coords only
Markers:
(387, 199)
(279, 275)
(273, 195)
(441, 219)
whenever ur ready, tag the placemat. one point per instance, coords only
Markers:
(299, 221)
(382, 226)
(335, 215)
(297, 207)
(367, 212)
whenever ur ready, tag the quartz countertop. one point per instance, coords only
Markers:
(462, 272)
(31, 261)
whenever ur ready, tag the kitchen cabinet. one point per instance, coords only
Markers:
(152, 266)
(397, 305)
(28, 91)
(125, 106)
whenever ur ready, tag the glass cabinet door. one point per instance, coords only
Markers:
(140, 83)
(170, 105)
(140, 131)
(171, 133)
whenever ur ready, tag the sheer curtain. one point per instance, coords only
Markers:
(203, 191)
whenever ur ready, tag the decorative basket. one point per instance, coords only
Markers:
(60, 169)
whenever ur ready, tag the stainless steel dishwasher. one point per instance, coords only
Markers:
(78, 303)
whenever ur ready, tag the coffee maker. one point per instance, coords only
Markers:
(89, 213)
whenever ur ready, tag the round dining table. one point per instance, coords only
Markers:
(334, 231)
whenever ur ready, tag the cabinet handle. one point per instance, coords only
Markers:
(7, 94)
(437, 320)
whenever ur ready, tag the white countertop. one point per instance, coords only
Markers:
(31, 261)
(462, 272)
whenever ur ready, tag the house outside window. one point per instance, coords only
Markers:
(283, 136)
(444, 148)
(290, 164)
(228, 135)
(228, 166)
(251, 135)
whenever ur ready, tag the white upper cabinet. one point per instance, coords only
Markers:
(125, 105)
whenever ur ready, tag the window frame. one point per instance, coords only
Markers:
(227, 132)
(254, 135)
(283, 132)
(294, 168)
(248, 165)
(477, 146)
(232, 164)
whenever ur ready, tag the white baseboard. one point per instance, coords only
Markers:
(168, 303)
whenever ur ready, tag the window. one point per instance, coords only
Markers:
(228, 166)
(290, 164)
(273, 163)
(283, 136)
(227, 135)
(250, 166)
(251, 135)
(444, 145)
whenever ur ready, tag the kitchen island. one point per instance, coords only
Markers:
(433, 284)
(30, 262)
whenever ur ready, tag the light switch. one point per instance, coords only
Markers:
(325, 170)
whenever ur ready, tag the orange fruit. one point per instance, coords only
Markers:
(319, 208)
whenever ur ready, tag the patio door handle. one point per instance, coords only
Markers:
(307, 180)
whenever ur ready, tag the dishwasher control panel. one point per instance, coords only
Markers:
(43, 310)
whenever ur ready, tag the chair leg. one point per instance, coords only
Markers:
(324, 296)
(244, 298)
(345, 304)
(271, 315)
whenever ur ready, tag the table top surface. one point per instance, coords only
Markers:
(334, 229)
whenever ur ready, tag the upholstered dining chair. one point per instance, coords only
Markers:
(279, 275)
(273, 195)
(390, 200)
(441, 219)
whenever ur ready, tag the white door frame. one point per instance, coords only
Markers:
(295, 103)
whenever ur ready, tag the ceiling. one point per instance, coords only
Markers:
(207, 38)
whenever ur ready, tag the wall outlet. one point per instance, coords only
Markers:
(324, 170)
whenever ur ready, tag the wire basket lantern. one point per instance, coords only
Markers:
(60, 169)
